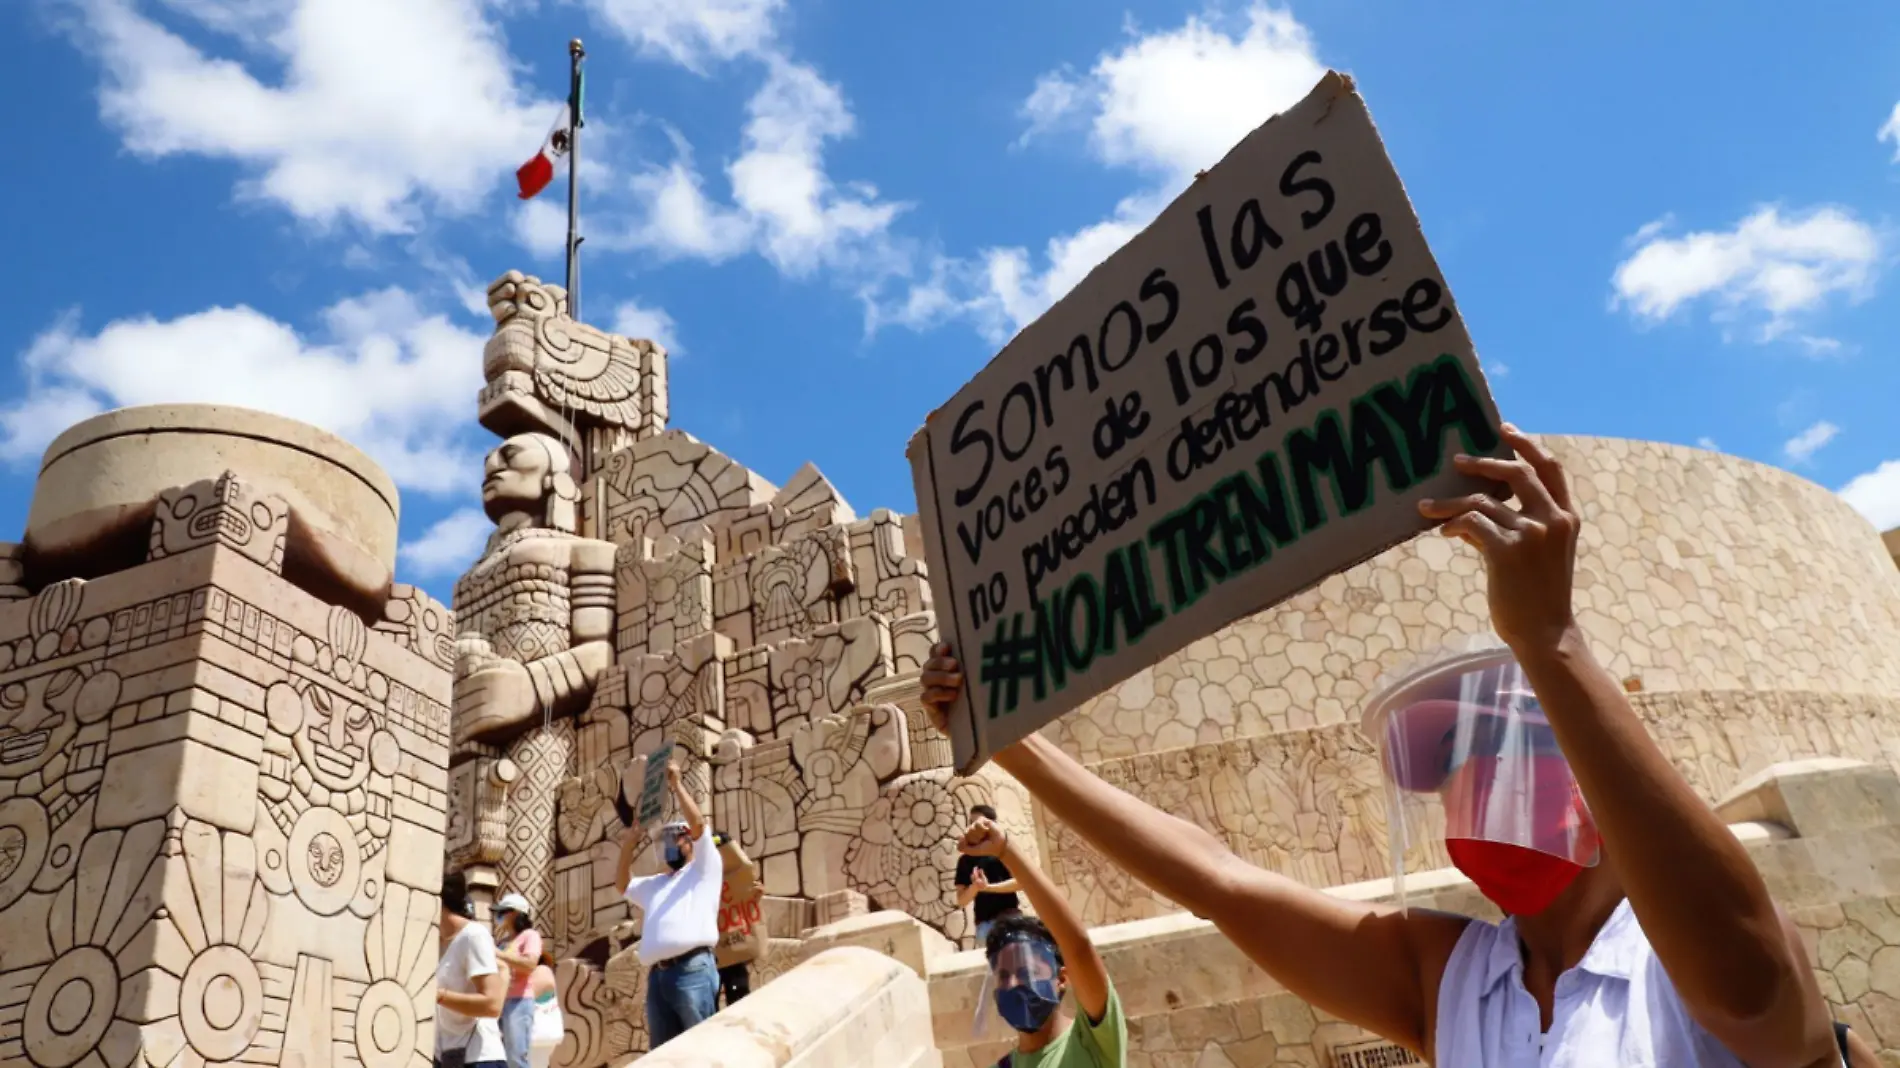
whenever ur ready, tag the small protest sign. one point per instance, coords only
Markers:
(1249, 396)
(741, 918)
(653, 787)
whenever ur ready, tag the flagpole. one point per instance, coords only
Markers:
(575, 53)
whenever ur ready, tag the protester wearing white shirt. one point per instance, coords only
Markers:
(469, 985)
(680, 923)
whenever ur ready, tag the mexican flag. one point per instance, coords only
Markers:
(534, 175)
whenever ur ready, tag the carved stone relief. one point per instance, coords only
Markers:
(221, 823)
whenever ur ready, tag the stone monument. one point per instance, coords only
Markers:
(643, 588)
(223, 754)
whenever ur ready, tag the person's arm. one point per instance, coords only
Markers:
(630, 838)
(1372, 966)
(524, 962)
(491, 991)
(970, 881)
(1007, 886)
(1088, 976)
(1737, 963)
(1860, 1052)
(491, 986)
(689, 808)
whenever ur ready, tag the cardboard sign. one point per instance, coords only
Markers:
(741, 921)
(653, 788)
(1251, 395)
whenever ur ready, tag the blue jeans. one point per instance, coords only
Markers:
(680, 996)
(517, 1030)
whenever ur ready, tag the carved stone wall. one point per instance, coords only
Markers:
(221, 806)
(769, 633)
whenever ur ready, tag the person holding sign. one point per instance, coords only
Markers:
(985, 885)
(1637, 930)
(680, 907)
(1034, 961)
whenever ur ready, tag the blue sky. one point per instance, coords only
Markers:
(1668, 221)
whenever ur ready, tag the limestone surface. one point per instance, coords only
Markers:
(222, 797)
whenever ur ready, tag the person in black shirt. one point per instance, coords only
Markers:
(986, 883)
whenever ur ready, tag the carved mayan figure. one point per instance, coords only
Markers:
(534, 617)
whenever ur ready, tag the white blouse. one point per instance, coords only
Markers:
(1617, 1007)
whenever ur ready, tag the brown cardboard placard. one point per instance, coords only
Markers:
(741, 922)
(1251, 395)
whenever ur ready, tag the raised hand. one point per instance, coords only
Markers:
(983, 839)
(1530, 552)
(943, 681)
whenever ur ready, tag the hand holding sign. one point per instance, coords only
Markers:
(1530, 552)
(659, 773)
(942, 682)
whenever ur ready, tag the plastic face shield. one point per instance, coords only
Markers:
(1025, 969)
(671, 836)
(1467, 737)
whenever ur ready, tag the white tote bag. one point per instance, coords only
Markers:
(547, 1032)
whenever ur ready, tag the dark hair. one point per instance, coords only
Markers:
(1016, 925)
(455, 894)
(984, 811)
(525, 924)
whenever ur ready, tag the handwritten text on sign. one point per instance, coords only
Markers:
(1249, 396)
(653, 787)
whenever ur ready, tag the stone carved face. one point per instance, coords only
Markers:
(530, 473)
(336, 739)
(517, 476)
(36, 721)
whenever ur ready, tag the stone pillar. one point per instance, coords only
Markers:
(222, 795)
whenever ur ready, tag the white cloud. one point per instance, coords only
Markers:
(680, 220)
(1708, 443)
(1890, 131)
(784, 204)
(635, 320)
(1876, 495)
(1175, 102)
(1056, 97)
(1771, 267)
(1802, 447)
(1165, 105)
(448, 547)
(540, 227)
(396, 382)
(1022, 292)
(379, 111)
(693, 32)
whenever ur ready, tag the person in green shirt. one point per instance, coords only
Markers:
(1034, 962)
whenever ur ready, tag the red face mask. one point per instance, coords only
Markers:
(1522, 882)
(1520, 879)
